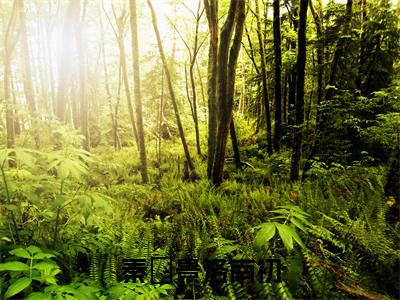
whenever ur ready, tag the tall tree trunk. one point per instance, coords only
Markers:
(211, 7)
(65, 61)
(10, 40)
(285, 94)
(194, 52)
(50, 63)
(160, 118)
(28, 83)
(171, 90)
(300, 71)
(292, 75)
(121, 24)
(138, 96)
(226, 81)
(320, 90)
(264, 80)
(235, 145)
(84, 107)
(278, 71)
(362, 57)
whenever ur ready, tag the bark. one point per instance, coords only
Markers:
(10, 40)
(138, 96)
(285, 94)
(235, 146)
(114, 123)
(120, 37)
(201, 84)
(160, 118)
(84, 107)
(211, 8)
(28, 83)
(278, 71)
(362, 57)
(170, 88)
(50, 65)
(320, 61)
(300, 71)
(292, 76)
(195, 51)
(226, 81)
(264, 80)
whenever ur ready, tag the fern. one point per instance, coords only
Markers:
(282, 291)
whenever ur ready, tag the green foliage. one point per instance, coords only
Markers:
(38, 267)
(287, 233)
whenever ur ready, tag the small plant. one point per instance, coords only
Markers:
(38, 266)
(293, 217)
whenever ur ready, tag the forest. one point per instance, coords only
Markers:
(199, 149)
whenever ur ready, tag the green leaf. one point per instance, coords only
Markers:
(298, 224)
(45, 266)
(14, 266)
(265, 234)
(285, 235)
(24, 157)
(295, 236)
(20, 253)
(42, 255)
(33, 249)
(18, 286)
(38, 296)
(281, 211)
(4, 156)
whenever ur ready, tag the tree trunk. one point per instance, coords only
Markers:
(114, 124)
(121, 24)
(292, 75)
(285, 94)
(84, 107)
(278, 71)
(211, 7)
(264, 80)
(362, 57)
(300, 71)
(171, 90)
(138, 96)
(28, 84)
(226, 81)
(320, 90)
(235, 146)
(160, 118)
(10, 40)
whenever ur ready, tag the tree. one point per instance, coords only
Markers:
(138, 95)
(278, 71)
(83, 104)
(193, 52)
(10, 40)
(320, 91)
(264, 79)
(28, 83)
(211, 7)
(170, 88)
(226, 68)
(300, 72)
(120, 35)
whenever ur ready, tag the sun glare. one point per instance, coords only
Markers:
(48, 34)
